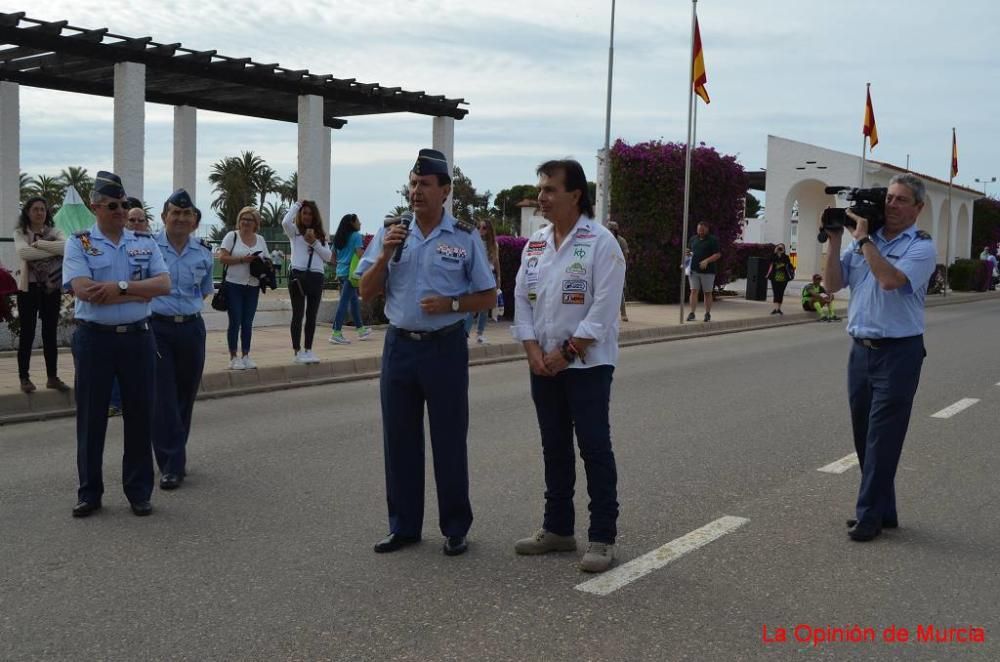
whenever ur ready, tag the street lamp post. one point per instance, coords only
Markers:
(606, 155)
(984, 182)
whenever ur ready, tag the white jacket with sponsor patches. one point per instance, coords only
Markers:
(573, 291)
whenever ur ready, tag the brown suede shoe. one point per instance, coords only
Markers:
(57, 384)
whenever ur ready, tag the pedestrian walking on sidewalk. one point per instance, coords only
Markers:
(888, 273)
(39, 246)
(180, 335)
(432, 271)
(347, 243)
(479, 319)
(567, 294)
(703, 249)
(780, 273)
(114, 274)
(239, 248)
(303, 225)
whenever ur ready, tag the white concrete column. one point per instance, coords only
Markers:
(443, 140)
(186, 149)
(10, 168)
(130, 126)
(323, 199)
(311, 143)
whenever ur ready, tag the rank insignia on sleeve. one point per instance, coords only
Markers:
(921, 234)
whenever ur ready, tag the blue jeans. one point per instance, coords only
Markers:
(348, 297)
(483, 316)
(242, 301)
(579, 400)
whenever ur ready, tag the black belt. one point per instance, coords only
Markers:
(132, 327)
(176, 319)
(879, 343)
(429, 335)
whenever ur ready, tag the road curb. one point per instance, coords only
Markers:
(43, 405)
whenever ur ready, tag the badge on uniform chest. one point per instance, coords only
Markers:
(138, 252)
(451, 253)
(88, 247)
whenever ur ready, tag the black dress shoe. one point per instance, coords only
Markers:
(862, 532)
(455, 545)
(886, 523)
(141, 508)
(85, 509)
(394, 541)
(170, 481)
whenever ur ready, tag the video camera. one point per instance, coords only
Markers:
(868, 203)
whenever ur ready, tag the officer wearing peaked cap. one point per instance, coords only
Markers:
(180, 334)
(114, 273)
(432, 274)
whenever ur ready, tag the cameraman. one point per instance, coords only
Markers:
(888, 273)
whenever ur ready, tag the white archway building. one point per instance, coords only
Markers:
(798, 173)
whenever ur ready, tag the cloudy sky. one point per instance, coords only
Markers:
(534, 74)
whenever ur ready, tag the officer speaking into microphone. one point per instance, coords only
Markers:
(180, 334)
(433, 272)
(114, 273)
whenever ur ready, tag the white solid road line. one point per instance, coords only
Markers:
(951, 410)
(841, 465)
(614, 579)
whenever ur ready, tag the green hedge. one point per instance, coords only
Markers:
(970, 275)
(647, 201)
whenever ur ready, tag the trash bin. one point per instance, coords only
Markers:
(757, 279)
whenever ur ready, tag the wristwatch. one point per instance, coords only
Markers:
(454, 304)
(861, 243)
(123, 287)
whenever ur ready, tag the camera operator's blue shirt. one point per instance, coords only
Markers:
(877, 313)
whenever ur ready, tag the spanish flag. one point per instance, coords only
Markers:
(954, 154)
(869, 127)
(698, 66)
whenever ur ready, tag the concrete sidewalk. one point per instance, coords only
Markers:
(271, 349)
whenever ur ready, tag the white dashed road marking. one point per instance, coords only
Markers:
(951, 410)
(841, 465)
(614, 579)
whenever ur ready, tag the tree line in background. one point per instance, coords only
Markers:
(54, 187)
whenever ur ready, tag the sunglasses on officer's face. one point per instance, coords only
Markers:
(113, 206)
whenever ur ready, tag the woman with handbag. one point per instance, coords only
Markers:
(40, 246)
(241, 289)
(348, 244)
(304, 227)
(780, 273)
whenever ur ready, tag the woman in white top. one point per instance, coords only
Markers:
(39, 246)
(310, 253)
(238, 250)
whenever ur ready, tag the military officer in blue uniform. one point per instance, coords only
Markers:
(114, 273)
(180, 334)
(433, 274)
(888, 273)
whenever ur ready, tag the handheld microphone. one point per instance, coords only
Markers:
(405, 218)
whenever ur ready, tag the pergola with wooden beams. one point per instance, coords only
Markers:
(54, 55)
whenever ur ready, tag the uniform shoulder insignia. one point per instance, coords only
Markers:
(464, 226)
(921, 234)
(204, 243)
(81, 234)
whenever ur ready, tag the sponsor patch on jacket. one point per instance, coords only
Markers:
(573, 297)
(536, 247)
(574, 286)
(585, 235)
(576, 269)
(455, 252)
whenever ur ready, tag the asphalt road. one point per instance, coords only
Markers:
(265, 553)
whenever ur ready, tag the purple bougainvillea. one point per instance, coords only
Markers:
(647, 201)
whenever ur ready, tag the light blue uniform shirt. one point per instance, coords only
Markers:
(448, 262)
(92, 255)
(877, 313)
(190, 277)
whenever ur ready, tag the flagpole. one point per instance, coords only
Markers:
(864, 145)
(951, 223)
(687, 160)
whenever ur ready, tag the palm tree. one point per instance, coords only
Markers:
(289, 188)
(76, 177)
(272, 213)
(265, 180)
(50, 188)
